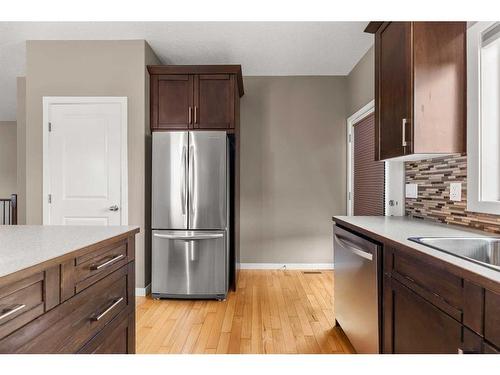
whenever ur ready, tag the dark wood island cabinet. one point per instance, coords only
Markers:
(82, 301)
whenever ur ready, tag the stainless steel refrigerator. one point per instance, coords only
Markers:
(190, 214)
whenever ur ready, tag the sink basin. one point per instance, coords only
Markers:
(482, 250)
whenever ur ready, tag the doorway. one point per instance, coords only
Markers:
(366, 191)
(85, 161)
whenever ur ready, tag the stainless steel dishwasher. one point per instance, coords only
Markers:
(357, 289)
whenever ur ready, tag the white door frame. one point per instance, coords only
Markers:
(50, 100)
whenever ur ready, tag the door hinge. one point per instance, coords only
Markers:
(350, 140)
(349, 195)
(50, 198)
(50, 127)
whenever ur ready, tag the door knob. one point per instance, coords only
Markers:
(113, 208)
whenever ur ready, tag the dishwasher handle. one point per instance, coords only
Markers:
(346, 244)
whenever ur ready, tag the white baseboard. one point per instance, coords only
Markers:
(288, 266)
(142, 292)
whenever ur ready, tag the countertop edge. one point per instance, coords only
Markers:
(5, 279)
(449, 266)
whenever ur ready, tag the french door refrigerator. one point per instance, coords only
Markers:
(190, 214)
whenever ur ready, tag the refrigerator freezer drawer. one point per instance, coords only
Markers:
(189, 264)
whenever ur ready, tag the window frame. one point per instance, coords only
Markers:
(474, 203)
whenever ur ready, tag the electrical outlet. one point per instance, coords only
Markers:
(411, 191)
(456, 191)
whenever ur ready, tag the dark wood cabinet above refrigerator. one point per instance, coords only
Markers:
(420, 88)
(195, 97)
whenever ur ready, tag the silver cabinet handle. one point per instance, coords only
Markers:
(109, 262)
(404, 144)
(8, 312)
(113, 208)
(189, 237)
(355, 250)
(98, 317)
(190, 114)
(195, 114)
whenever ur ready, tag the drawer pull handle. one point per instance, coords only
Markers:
(8, 312)
(107, 263)
(98, 317)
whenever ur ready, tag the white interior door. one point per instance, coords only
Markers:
(84, 161)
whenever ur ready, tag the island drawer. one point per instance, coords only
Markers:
(69, 326)
(94, 265)
(118, 337)
(24, 300)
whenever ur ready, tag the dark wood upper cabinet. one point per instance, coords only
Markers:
(172, 101)
(420, 88)
(195, 97)
(214, 101)
(394, 77)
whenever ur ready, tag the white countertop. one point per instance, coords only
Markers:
(23, 246)
(399, 228)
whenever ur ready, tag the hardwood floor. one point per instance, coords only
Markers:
(271, 312)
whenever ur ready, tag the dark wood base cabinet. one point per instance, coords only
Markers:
(84, 303)
(430, 306)
(429, 310)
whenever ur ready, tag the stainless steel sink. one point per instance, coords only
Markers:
(482, 250)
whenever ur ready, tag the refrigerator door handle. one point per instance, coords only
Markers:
(193, 237)
(191, 179)
(183, 187)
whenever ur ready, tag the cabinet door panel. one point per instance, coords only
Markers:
(492, 317)
(174, 99)
(414, 326)
(214, 101)
(394, 91)
(489, 349)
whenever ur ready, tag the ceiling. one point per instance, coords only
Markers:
(262, 48)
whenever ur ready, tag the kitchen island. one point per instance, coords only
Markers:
(430, 301)
(67, 289)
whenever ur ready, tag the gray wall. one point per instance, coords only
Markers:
(293, 167)
(361, 83)
(91, 68)
(8, 157)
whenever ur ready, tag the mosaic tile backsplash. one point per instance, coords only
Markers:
(433, 177)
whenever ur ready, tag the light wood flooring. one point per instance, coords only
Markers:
(271, 312)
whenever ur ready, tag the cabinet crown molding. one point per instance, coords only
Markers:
(200, 69)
